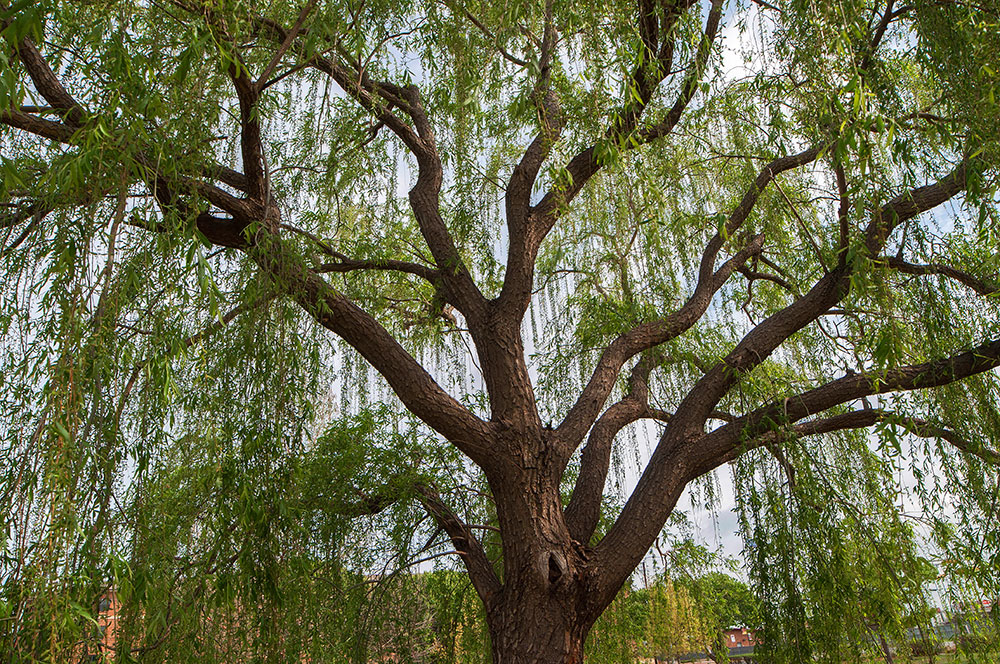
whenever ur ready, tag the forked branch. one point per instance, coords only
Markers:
(684, 451)
(516, 292)
(584, 507)
(533, 224)
(760, 342)
(583, 413)
(586, 164)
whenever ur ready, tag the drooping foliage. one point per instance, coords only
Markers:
(300, 296)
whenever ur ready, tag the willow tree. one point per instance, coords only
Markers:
(538, 232)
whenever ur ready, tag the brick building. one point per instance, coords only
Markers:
(739, 637)
(102, 649)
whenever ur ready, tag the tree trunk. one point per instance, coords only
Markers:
(536, 630)
(886, 652)
(547, 604)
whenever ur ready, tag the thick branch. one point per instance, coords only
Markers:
(530, 226)
(228, 176)
(62, 133)
(459, 286)
(219, 230)
(976, 284)
(872, 47)
(585, 165)
(643, 337)
(910, 204)
(424, 197)
(418, 391)
(251, 145)
(351, 265)
(33, 124)
(584, 507)
(721, 443)
(861, 419)
(481, 572)
(242, 209)
(516, 293)
(760, 342)
(364, 504)
(648, 335)
(378, 98)
(48, 85)
(691, 83)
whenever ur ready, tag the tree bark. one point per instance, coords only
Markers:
(546, 605)
(533, 629)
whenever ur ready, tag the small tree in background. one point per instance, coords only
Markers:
(723, 602)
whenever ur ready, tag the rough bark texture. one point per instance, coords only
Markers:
(535, 628)
(545, 607)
